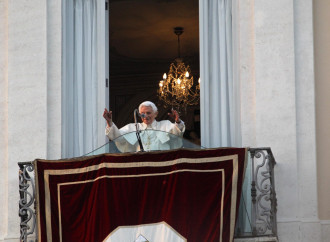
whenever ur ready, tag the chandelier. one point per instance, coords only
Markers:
(177, 89)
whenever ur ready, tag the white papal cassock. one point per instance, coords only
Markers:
(160, 135)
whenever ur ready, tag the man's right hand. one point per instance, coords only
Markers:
(107, 115)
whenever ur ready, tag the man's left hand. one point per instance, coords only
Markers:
(175, 115)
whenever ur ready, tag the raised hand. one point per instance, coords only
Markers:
(107, 115)
(175, 115)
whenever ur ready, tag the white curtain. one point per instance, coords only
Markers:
(83, 76)
(220, 92)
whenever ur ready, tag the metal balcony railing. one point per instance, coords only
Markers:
(27, 202)
(258, 207)
(256, 216)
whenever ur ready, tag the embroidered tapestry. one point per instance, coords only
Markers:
(179, 195)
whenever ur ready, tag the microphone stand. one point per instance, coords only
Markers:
(138, 131)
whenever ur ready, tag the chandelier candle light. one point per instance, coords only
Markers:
(177, 89)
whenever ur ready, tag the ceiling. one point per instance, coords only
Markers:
(142, 46)
(143, 29)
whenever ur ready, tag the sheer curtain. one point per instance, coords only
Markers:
(83, 76)
(220, 87)
(220, 92)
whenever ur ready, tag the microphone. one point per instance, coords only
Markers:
(135, 111)
(141, 115)
(138, 130)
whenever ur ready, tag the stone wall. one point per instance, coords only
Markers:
(30, 95)
(278, 108)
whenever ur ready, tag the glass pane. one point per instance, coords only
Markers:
(151, 140)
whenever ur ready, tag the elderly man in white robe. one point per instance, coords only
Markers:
(155, 135)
